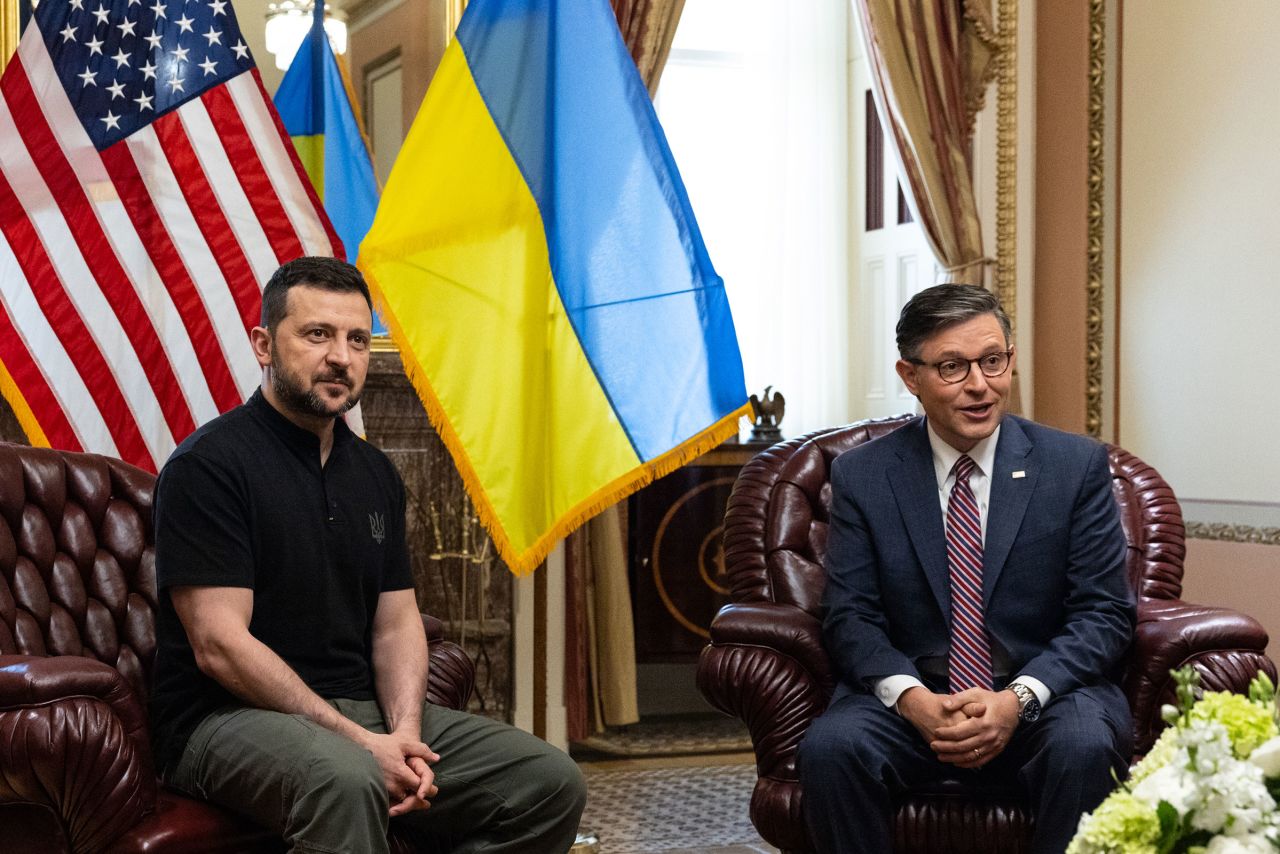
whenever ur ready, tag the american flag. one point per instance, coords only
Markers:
(147, 191)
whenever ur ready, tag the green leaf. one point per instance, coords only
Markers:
(1196, 841)
(1169, 827)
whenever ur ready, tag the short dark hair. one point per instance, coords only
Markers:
(944, 305)
(314, 271)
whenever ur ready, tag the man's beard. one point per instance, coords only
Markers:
(293, 396)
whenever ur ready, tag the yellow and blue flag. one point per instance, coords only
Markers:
(538, 262)
(318, 115)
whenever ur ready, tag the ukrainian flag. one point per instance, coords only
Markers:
(317, 113)
(538, 262)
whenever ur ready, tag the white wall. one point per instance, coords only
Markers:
(252, 17)
(1200, 252)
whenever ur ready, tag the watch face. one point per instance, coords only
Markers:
(1031, 710)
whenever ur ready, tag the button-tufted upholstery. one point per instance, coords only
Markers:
(766, 663)
(77, 638)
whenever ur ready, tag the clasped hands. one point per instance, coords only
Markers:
(966, 730)
(406, 770)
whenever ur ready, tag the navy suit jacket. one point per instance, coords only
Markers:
(1054, 584)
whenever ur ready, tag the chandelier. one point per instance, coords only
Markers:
(289, 21)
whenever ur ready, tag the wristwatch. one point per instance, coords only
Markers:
(1028, 704)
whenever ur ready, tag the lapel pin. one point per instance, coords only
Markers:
(1018, 474)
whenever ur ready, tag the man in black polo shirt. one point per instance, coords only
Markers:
(290, 670)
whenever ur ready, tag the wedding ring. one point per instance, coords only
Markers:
(977, 754)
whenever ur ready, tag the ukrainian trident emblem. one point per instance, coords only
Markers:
(378, 527)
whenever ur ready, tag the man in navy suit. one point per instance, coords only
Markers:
(976, 605)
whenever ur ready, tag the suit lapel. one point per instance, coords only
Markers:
(915, 488)
(1008, 502)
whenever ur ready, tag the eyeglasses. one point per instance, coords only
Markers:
(955, 370)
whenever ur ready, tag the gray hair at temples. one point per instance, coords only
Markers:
(941, 306)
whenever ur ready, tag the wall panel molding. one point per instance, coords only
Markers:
(1191, 196)
(873, 296)
(1093, 278)
(1007, 162)
(1228, 532)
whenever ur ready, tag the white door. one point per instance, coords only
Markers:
(891, 260)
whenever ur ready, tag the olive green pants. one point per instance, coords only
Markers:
(501, 789)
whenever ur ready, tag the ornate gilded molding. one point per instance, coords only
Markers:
(1093, 278)
(1006, 284)
(1232, 533)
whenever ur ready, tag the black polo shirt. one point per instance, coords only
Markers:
(244, 502)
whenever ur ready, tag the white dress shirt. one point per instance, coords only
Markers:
(983, 454)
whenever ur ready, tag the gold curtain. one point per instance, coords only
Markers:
(648, 26)
(597, 552)
(931, 61)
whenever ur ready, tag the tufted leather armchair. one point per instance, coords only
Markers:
(77, 637)
(766, 663)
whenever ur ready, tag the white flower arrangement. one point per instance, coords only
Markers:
(1209, 785)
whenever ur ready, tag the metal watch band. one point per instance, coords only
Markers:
(1028, 703)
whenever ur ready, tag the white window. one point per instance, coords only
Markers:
(764, 108)
(754, 103)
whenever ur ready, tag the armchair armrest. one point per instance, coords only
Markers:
(76, 742)
(766, 665)
(785, 629)
(451, 675)
(1227, 648)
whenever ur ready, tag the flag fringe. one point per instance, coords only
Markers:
(26, 418)
(660, 466)
(522, 563)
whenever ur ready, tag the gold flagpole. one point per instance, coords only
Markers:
(453, 14)
(9, 31)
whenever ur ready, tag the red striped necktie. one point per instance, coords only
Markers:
(970, 660)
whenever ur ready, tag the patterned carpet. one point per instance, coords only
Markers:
(677, 810)
(673, 736)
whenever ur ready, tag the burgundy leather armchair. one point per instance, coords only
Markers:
(766, 663)
(77, 638)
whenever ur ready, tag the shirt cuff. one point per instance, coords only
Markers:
(890, 688)
(1037, 687)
